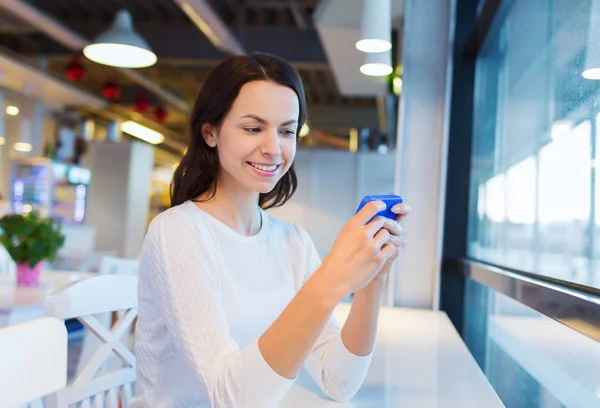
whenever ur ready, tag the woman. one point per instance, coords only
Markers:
(232, 301)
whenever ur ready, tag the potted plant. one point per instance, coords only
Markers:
(30, 240)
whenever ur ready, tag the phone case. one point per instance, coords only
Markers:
(389, 200)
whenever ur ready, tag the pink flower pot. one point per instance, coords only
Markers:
(28, 276)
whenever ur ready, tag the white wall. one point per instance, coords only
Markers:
(331, 183)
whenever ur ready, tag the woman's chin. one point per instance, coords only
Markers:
(264, 187)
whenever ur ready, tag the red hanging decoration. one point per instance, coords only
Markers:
(160, 114)
(141, 103)
(111, 91)
(75, 71)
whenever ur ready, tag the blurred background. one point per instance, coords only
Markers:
(482, 114)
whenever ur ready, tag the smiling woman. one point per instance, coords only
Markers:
(233, 301)
(229, 105)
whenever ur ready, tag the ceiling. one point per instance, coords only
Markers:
(18, 76)
(338, 25)
(186, 55)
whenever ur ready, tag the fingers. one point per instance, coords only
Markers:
(381, 238)
(367, 212)
(374, 226)
(393, 227)
(401, 211)
(387, 252)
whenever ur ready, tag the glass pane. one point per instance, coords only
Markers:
(531, 360)
(536, 118)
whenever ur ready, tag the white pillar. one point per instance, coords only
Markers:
(37, 128)
(422, 148)
(4, 159)
(119, 195)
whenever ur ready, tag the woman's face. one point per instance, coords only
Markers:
(257, 140)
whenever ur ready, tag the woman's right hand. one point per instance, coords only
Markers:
(358, 254)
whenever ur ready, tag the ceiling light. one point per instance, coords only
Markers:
(121, 46)
(376, 27)
(22, 147)
(304, 130)
(12, 110)
(592, 73)
(142, 132)
(379, 64)
(2, 141)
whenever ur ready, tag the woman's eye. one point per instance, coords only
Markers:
(253, 130)
(289, 133)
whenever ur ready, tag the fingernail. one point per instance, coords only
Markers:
(397, 207)
(381, 206)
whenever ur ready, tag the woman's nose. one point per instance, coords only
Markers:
(270, 145)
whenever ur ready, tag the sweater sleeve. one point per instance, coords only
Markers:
(185, 288)
(337, 371)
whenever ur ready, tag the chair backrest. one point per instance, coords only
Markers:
(82, 300)
(111, 265)
(33, 360)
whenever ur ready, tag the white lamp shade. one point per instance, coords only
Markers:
(377, 64)
(121, 46)
(376, 27)
(592, 53)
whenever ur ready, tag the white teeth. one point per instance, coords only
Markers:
(263, 167)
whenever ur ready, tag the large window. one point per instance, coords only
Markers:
(531, 360)
(534, 205)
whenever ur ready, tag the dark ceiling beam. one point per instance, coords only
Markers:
(332, 86)
(234, 5)
(278, 4)
(211, 63)
(75, 41)
(210, 23)
(327, 116)
(318, 88)
(184, 41)
(298, 15)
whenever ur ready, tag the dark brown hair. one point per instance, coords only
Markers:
(198, 169)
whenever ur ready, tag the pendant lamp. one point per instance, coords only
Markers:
(121, 46)
(377, 64)
(376, 26)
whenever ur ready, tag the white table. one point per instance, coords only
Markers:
(19, 303)
(420, 361)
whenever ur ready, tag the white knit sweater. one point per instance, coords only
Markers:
(206, 294)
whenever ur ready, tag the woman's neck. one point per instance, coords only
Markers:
(235, 208)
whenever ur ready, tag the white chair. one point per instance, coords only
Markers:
(111, 265)
(33, 361)
(82, 300)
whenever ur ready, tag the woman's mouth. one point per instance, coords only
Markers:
(264, 169)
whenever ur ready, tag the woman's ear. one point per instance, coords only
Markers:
(209, 133)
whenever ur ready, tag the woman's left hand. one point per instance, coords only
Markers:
(396, 237)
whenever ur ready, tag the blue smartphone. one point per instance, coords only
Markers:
(389, 200)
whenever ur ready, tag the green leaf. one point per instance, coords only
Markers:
(31, 238)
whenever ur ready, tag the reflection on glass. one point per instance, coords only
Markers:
(531, 360)
(520, 194)
(534, 149)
